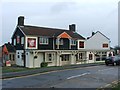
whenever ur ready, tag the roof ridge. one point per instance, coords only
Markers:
(46, 31)
(45, 27)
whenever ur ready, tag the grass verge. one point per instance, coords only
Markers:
(19, 69)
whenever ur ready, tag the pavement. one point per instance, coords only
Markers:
(41, 70)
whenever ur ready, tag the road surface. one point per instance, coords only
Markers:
(85, 77)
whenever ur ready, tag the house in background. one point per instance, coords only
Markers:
(97, 47)
(57, 47)
(8, 53)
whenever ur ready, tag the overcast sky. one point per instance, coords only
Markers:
(88, 15)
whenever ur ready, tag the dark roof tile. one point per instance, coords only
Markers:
(10, 47)
(49, 32)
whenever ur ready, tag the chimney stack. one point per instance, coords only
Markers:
(72, 27)
(93, 33)
(21, 20)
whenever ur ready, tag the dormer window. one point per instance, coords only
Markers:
(43, 40)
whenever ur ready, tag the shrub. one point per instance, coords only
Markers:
(44, 64)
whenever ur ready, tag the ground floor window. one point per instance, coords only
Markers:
(9, 56)
(49, 57)
(13, 57)
(65, 57)
(81, 56)
(90, 56)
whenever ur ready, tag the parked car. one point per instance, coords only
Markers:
(113, 60)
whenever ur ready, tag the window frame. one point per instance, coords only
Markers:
(72, 42)
(90, 56)
(22, 40)
(61, 42)
(65, 57)
(43, 40)
(14, 41)
(105, 45)
(80, 44)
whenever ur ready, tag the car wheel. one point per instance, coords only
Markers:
(113, 64)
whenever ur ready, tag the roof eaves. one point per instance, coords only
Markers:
(103, 35)
(21, 30)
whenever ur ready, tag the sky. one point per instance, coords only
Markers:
(88, 15)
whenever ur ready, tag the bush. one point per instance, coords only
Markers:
(44, 64)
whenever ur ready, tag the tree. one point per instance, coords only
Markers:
(117, 48)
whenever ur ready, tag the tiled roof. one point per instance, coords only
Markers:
(49, 32)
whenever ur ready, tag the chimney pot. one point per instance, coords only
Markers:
(72, 27)
(93, 33)
(21, 20)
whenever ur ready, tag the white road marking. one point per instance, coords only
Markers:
(105, 69)
(107, 85)
(78, 75)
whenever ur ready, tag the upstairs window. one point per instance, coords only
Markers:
(18, 39)
(105, 45)
(81, 44)
(22, 40)
(73, 42)
(43, 40)
(57, 41)
(61, 42)
(14, 41)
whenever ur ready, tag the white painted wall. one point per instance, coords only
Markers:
(96, 42)
(34, 63)
(19, 60)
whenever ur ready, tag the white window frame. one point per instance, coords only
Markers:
(78, 42)
(57, 41)
(22, 40)
(43, 40)
(48, 58)
(61, 41)
(26, 43)
(14, 41)
(72, 42)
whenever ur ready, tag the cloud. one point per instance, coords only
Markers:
(60, 7)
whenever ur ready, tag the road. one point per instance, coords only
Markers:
(85, 77)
